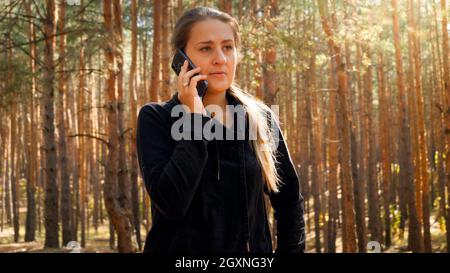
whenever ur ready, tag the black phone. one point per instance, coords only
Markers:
(177, 63)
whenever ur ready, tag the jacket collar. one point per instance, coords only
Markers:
(231, 99)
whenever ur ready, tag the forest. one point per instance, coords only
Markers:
(363, 89)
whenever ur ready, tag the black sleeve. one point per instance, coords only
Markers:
(288, 202)
(171, 175)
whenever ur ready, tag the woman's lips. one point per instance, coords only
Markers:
(218, 74)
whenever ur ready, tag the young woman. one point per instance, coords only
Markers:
(207, 195)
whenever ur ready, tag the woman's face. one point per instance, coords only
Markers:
(211, 47)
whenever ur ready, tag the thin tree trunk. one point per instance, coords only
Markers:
(3, 163)
(372, 182)
(165, 53)
(333, 163)
(82, 164)
(305, 156)
(30, 225)
(359, 152)
(14, 143)
(438, 117)
(133, 122)
(385, 159)
(269, 59)
(316, 147)
(156, 64)
(14, 174)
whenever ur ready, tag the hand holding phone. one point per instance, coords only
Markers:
(188, 86)
(177, 63)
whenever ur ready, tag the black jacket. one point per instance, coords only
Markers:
(207, 196)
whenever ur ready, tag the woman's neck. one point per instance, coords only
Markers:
(216, 98)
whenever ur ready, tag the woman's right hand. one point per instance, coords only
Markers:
(187, 86)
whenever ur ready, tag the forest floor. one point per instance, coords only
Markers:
(399, 242)
(97, 241)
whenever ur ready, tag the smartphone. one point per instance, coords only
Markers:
(177, 63)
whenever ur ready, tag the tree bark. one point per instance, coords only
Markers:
(118, 215)
(348, 214)
(360, 152)
(270, 87)
(372, 183)
(51, 189)
(66, 203)
(385, 159)
(30, 225)
(155, 84)
(405, 140)
(333, 141)
(423, 151)
(133, 124)
(165, 52)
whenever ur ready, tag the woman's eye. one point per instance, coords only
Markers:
(204, 49)
(229, 47)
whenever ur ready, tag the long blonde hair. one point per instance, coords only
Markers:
(264, 145)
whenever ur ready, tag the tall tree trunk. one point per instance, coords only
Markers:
(383, 126)
(316, 147)
(372, 182)
(436, 99)
(270, 58)
(118, 215)
(3, 164)
(30, 225)
(155, 84)
(165, 52)
(75, 143)
(360, 152)
(8, 181)
(133, 123)
(405, 140)
(15, 153)
(82, 162)
(51, 189)
(7, 190)
(423, 152)
(123, 178)
(333, 163)
(14, 173)
(306, 156)
(348, 214)
(413, 121)
(66, 203)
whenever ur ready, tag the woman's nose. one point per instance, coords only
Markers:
(219, 57)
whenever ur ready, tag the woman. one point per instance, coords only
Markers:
(207, 195)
